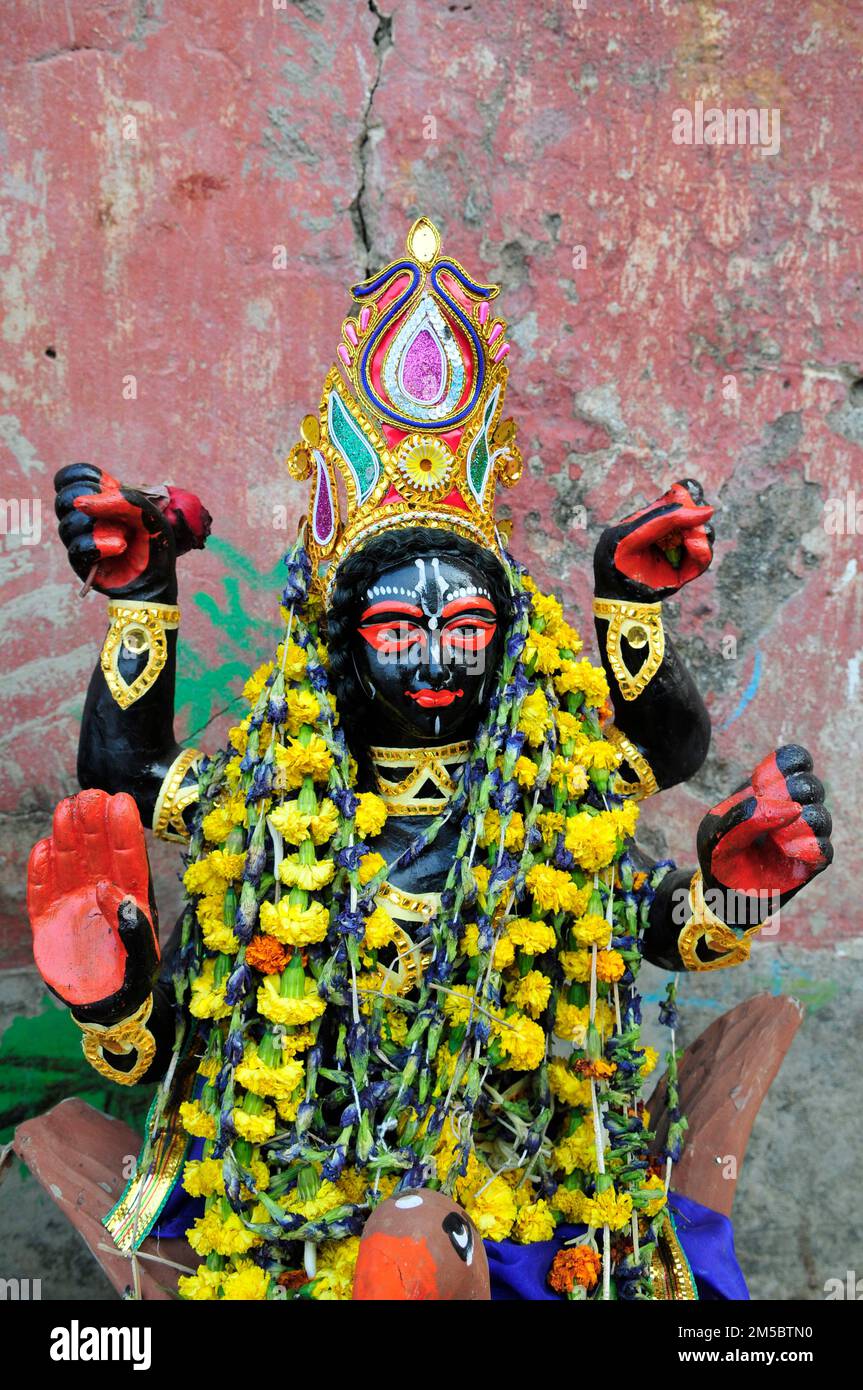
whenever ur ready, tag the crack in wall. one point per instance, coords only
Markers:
(382, 40)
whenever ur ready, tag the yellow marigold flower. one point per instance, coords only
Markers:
(504, 953)
(288, 1107)
(249, 1284)
(591, 839)
(293, 663)
(325, 824)
(397, 1024)
(597, 753)
(311, 877)
(327, 1198)
(202, 1177)
(202, 1286)
(371, 814)
(569, 1089)
(233, 774)
(292, 1043)
(303, 708)
(213, 1234)
(458, 1003)
(256, 682)
(534, 938)
(523, 1042)
(534, 1222)
(262, 1080)
(548, 608)
(218, 936)
(534, 718)
(370, 864)
(578, 1150)
(653, 1184)
(208, 998)
(651, 1057)
(380, 929)
(279, 1009)
(543, 650)
(353, 1185)
(255, 1128)
(550, 824)
(570, 1022)
(591, 930)
(218, 824)
(568, 772)
(296, 760)
(609, 1208)
(481, 876)
(550, 888)
(291, 823)
(567, 638)
(581, 677)
(525, 772)
(567, 1200)
(295, 926)
(209, 1067)
(469, 942)
(196, 1121)
(530, 993)
(514, 838)
(569, 727)
(493, 1210)
(575, 965)
(214, 872)
(625, 818)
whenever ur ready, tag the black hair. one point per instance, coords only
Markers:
(354, 578)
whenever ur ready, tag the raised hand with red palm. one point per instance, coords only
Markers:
(91, 907)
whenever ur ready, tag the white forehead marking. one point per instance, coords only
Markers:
(403, 1202)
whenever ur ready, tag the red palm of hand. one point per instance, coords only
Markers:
(90, 907)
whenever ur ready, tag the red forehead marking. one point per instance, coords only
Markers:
(392, 606)
(464, 605)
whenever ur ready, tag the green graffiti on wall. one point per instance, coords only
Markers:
(208, 684)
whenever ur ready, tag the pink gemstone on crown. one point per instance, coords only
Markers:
(422, 371)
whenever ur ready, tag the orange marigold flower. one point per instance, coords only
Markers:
(575, 1264)
(292, 1278)
(266, 954)
(598, 1070)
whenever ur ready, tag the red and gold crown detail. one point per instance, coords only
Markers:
(409, 431)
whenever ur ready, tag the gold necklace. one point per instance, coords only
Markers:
(418, 781)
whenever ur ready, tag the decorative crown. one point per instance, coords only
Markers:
(409, 431)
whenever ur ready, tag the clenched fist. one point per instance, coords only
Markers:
(656, 550)
(124, 541)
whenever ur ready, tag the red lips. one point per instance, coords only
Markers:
(433, 699)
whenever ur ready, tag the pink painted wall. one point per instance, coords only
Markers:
(153, 157)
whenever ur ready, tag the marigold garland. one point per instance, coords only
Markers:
(319, 1092)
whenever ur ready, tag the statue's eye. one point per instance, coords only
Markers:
(460, 1234)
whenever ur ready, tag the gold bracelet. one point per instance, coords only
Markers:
(641, 625)
(704, 924)
(136, 628)
(173, 798)
(129, 1035)
(647, 784)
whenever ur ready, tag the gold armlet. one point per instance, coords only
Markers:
(173, 798)
(641, 625)
(136, 628)
(129, 1035)
(705, 925)
(647, 784)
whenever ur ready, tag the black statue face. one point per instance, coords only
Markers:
(426, 649)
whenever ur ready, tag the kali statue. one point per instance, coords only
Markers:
(395, 1035)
